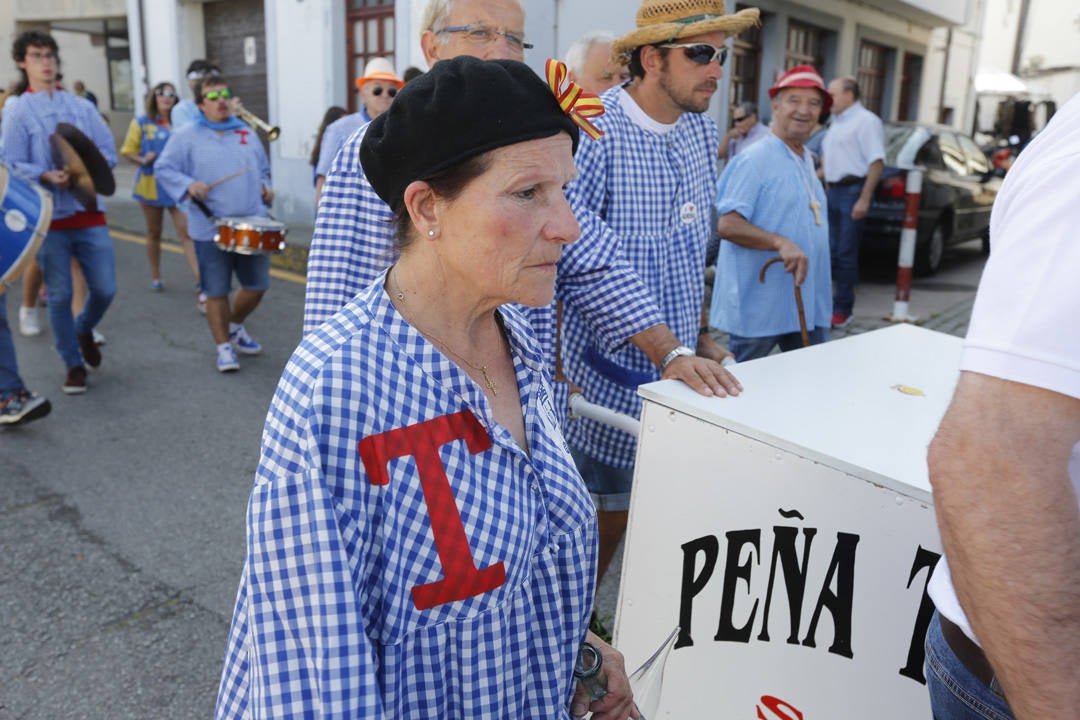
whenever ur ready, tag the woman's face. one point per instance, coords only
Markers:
(165, 97)
(504, 233)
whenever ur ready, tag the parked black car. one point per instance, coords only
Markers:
(958, 191)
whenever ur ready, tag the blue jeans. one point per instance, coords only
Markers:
(608, 485)
(751, 348)
(217, 266)
(844, 237)
(956, 694)
(9, 368)
(92, 248)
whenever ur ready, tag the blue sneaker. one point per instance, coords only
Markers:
(226, 359)
(22, 406)
(244, 342)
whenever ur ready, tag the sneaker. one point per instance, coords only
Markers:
(90, 351)
(22, 407)
(226, 359)
(839, 320)
(244, 342)
(200, 302)
(75, 383)
(29, 323)
(157, 285)
(99, 339)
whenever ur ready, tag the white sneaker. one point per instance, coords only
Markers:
(226, 359)
(29, 323)
(99, 339)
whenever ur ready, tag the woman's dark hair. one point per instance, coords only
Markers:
(447, 185)
(151, 101)
(28, 39)
(333, 113)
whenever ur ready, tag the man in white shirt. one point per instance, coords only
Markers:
(1005, 464)
(854, 156)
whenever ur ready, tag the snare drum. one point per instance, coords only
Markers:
(25, 214)
(250, 235)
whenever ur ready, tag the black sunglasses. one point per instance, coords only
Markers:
(378, 91)
(739, 119)
(701, 53)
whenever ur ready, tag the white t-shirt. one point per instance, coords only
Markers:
(854, 140)
(1024, 325)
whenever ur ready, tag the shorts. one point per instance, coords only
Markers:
(608, 485)
(216, 268)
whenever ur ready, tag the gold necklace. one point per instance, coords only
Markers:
(482, 369)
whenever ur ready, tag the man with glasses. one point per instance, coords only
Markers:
(377, 87)
(745, 130)
(186, 111)
(220, 165)
(353, 241)
(75, 232)
(648, 180)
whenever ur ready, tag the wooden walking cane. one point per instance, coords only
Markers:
(798, 301)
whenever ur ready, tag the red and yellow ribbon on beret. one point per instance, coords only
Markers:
(575, 102)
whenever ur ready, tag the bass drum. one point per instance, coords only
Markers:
(25, 214)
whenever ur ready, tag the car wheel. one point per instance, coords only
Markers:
(928, 255)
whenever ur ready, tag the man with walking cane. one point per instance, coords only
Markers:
(770, 203)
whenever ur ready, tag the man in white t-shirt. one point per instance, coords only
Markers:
(1005, 464)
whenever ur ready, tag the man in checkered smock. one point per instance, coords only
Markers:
(353, 240)
(649, 179)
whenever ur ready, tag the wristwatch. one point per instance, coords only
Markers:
(678, 351)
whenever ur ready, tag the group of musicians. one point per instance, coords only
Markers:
(216, 162)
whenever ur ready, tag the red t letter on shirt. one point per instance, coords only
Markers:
(461, 578)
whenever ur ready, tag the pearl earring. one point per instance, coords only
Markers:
(431, 233)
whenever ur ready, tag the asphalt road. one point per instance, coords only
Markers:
(122, 513)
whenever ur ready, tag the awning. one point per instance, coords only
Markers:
(998, 82)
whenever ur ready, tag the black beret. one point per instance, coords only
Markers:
(461, 108)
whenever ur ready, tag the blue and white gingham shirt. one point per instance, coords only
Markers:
(336, 135)
(26, 129)
(196, 152)
(651, 185)
(354, 242)
(344, 524)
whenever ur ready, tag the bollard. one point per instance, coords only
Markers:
(907, 248)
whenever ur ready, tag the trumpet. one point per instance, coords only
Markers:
(272, 131)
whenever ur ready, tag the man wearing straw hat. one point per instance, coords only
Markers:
(378, 86)
(771, 204)
(648, 180)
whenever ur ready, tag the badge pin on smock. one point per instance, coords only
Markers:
(687, 213)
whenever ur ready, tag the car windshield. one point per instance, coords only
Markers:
(902, 143)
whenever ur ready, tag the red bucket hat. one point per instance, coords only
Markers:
(802, 76)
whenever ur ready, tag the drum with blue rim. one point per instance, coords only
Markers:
(25, 214)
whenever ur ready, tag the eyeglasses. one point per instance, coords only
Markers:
(377, 91)
(739, 119)
(213, 95)
(162, 92)
(40, 56)
(485, 35)
(701, 53)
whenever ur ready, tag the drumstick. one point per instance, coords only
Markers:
(238, 173)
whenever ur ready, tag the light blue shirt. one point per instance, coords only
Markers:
(335, 136)
(197, 152)
(26, 130)
(765, 185)
(184, 113)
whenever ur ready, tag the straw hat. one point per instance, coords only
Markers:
(379, 69)
(661, 21)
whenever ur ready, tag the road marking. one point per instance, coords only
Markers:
(170, 247)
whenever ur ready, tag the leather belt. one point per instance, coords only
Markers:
(967, 652)
(849, 180)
